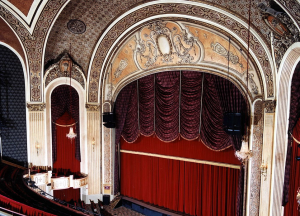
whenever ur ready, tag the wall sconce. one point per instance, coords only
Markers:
(37, 146)
(93, 143)
(263, 170)
(298, 197)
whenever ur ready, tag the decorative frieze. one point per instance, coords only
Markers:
(270, 106)
(36, 107)
(92, 107)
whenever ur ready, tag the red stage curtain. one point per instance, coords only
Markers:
(195, 189)
(169, 104)
(192, 188)
(66, 159)
(290, 208)
(21, 208)
(293, 118)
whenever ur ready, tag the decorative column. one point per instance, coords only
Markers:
(37, 150)
(108, 155)
(94, 151)
(254, 171)
(267, 155)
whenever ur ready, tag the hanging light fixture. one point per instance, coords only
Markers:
(71, 135)
(298, 198)
(245, 154)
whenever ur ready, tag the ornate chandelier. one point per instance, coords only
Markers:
(244, 154)
(71, 135)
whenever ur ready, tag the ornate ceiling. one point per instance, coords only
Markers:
(97, 15)
(41, 27)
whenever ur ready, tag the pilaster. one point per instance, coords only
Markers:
(267, 155)
(94, 149)
(37, 148)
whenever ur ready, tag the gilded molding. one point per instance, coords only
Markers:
(92, 107)
(270, 106)
(36, 107)
(182, 159)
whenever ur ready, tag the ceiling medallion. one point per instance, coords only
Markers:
(76, 26)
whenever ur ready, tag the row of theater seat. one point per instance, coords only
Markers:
(13, 186)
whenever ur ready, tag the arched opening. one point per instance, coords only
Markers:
(13, 135)
(174, 121)
(292, 158)
(65, 151)
(280, 185)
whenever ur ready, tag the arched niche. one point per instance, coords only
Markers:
(82, 100)
(14, 115)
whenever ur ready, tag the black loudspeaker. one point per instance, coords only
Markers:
(106, 199)
(109, 120)
(233, 123)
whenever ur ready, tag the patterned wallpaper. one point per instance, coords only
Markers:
(96, 15)
(12, 106)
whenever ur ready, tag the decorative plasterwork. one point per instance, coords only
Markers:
(36, 107)
(209, 43)
(256, 160)
(122, 65)
(34, 43)
(252, 85)
(292, 7)
(76, 26)
(219, 49)
(205, 13)
(107, 155)
(285, 32)
(270, 106)
(163, 43)
(92, 107)
(63, 69)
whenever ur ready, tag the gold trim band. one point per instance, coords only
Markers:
(65, 125)
(183, 159)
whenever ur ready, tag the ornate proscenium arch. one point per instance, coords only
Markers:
(197, 14)
(187, 47)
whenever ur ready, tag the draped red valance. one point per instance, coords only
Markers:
(186, 104)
